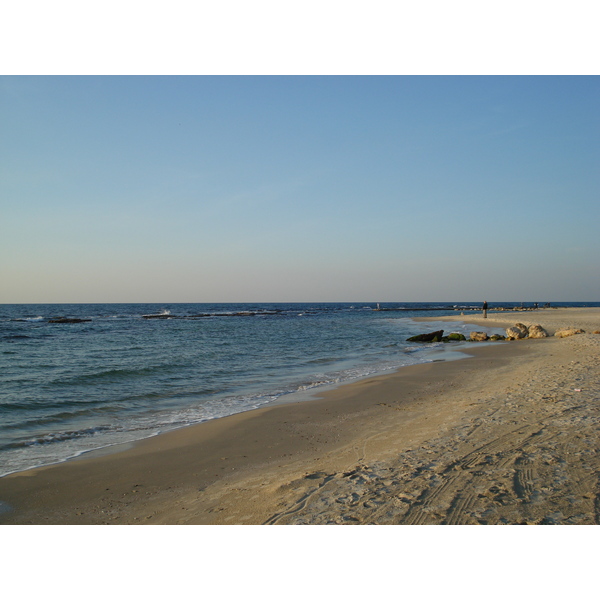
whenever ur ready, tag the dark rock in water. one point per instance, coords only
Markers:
(436, 336)
(65, 320)
(456, 337)
(453, 337)
(158, 316)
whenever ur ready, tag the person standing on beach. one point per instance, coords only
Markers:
(485, 309)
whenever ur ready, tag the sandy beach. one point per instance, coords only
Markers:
(506, 436)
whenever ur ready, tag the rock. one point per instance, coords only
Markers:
(456, 337)
(65, 320)
(537, 331)
(497, 337)
(522, 327)
(567, 332)
(436, 336)
(478, 336)
(514, 333)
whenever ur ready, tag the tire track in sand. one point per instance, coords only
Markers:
(458, 476)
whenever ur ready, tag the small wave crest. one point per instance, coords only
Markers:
(29, 319)
(323, 361)
(111, 374)
(164, 314)
(51, 438)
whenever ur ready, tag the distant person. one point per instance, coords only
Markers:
(485, 309)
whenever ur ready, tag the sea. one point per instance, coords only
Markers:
(75, 378)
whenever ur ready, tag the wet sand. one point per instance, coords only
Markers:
(509, 435)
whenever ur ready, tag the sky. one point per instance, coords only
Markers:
(299, 188)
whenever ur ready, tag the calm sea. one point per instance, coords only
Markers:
(130, 371)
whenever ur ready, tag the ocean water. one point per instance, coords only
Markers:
(131, 371)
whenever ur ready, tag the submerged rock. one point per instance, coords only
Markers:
(436, 336)
(66, 320)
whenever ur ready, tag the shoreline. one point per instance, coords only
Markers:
(385, 449)
(301, 395)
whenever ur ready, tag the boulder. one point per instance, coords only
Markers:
(568, 331)
(456, 337)
(436, 336)
(537, 331)
(497, 337)
(514, 333)
(522, 327)
(478, 336)
(453, 337)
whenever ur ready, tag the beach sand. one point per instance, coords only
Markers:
(509, 435)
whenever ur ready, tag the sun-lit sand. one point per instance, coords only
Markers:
(509, 435)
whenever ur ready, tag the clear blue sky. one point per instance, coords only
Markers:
(395, 188)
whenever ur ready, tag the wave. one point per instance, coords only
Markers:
(241, 313)
(51, 438)
(204, 315)
(323, 361)
(32, 404)
(29, 319)
(112, 374)
(164, 314)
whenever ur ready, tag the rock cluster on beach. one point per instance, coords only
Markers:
(438, 336)
(518, 331)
